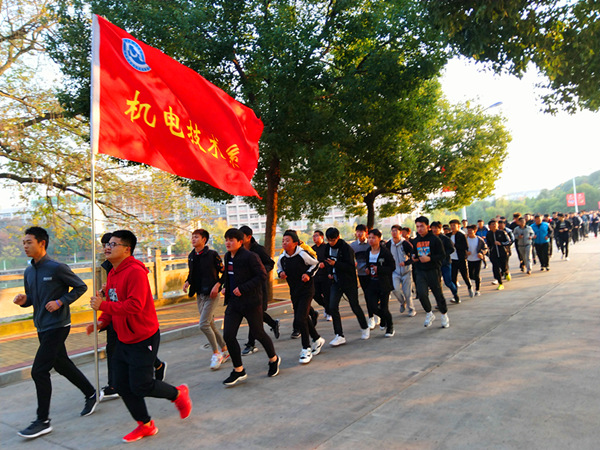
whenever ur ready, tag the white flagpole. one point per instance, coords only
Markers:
(94, 125)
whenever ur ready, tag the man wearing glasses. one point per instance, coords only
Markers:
(129, 306)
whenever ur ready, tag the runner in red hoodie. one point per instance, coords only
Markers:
(129, 306)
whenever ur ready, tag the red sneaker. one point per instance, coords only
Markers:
(141, 431)
(183, 402)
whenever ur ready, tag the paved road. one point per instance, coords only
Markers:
(517, 369)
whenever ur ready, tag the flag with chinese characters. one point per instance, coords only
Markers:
(148, 108)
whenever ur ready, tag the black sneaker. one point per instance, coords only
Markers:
(37, 428)
(235, 377)
(161, 372)
(249, 349)
(274, 367)
(275, 329)
(295, 334)
(109, 392)
(90, 404)
(456, 299)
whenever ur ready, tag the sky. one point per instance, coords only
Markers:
(546, 150)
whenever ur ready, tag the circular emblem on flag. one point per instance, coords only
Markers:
(134, 55)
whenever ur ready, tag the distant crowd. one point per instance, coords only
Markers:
(331, 269)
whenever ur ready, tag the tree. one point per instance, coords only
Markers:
(559, 38)
(417, 148)
(292, 62)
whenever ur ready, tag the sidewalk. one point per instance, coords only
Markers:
(517, 369)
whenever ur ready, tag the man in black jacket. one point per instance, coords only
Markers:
(251, 244)
(242, 284)
(459, 256)
(205, 268)
(428, 253)
(342, 271)
(498, 242)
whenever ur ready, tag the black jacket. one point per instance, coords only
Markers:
(210, 268)
(267, 262)
(249, 274)
(345, 264)
(460, 245)
(385, 267)
(498, 251)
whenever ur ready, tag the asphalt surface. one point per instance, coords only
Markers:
(517, 369)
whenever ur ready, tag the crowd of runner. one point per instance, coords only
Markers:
(408, 265)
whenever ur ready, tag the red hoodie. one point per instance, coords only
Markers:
(129, 305)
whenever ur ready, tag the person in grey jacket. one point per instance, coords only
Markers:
(524, 236)
(50, 287)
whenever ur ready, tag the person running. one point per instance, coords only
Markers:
(428, 253)
(476, 250)
(498, 242)
(401, 250)
(543, 236)
(242, 283)
(129, 306)
(459, 256)
(205, 268)
(251, 244)
(298, 267)
(380, 266)
(524, 237)
(482, 231)
(321, 280)
(50, 287)
(361, 249)
(511, 238)
(342, 271)
(562, 230)
(160, 367)
(446, 267)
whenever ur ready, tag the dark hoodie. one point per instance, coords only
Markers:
(129, 305)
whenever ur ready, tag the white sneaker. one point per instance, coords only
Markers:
(477, 293)
(445, 321)
(429, 318)
(413, 313)
(317, 346)
(366, 333)
(377, 320)
(216, 360)
(371, 323)
(567, 258)
(337, 340)
(305, 356)
(495, 282)
(328, 318)
(471, 293)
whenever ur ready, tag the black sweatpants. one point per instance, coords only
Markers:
(474, 272)
(134, 376)
(111, 345)
(302, 323)
(498, 266)
(266, 318)
(322, 291)
(562, 243)
(542, 252)
(460, 266)
(378, 300)
(430, 279)
(234, 314)
(364, 282)
(334, 306)
(52, 353)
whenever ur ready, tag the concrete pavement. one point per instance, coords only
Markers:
(517, 369)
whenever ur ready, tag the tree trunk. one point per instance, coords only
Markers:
(273, 179)
(370, 203)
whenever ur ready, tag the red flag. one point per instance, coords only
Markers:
(148, 108)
